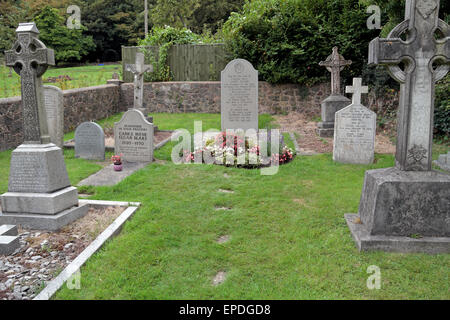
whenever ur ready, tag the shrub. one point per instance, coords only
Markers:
(286, 39)
(442, 109)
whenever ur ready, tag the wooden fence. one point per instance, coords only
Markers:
(190, 62)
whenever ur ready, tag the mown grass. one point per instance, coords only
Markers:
(86, 76)
(289, 239)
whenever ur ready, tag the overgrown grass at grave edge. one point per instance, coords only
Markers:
(86, 76)
(289, 239)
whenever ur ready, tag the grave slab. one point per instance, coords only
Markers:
(54, 109)
(239, 96)
(108, 177)
(9, 240)
(443, 162)
(133, 137)
(90, 141)
(355, 130)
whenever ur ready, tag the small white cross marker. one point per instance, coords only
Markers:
(357, 89)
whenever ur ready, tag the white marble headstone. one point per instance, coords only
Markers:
(239, 96)
(355, 130)
(90, 141)
(133, 137)
(54, 108)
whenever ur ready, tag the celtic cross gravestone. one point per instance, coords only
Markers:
(406, 208)
(335, 63)
(39, 192)
(30, 59)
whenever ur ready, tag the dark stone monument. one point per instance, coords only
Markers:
(335, 63)
(407, 208)
(39, 193)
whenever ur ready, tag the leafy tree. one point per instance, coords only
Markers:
(69, 44)
(197, 15)
(213, 13)
(176, 13)
(113, 23)
(286, 39)
(11, 14)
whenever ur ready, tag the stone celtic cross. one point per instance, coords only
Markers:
(30, 59)
(335, 63)
(357, 89)
(426, 60)
(138, 69)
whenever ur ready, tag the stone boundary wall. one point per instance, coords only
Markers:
(204, 97)
(95, 103)
(80, 105)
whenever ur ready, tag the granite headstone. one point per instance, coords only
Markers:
(239, 96)
(54, 108)
(443, 161)
(90, 141)
(133, 137)
(354, 130)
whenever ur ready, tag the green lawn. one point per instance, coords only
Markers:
(86, 76)
(289, 239)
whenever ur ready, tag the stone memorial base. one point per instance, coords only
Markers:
(38, 169)
(403, 211)
(330, 106)
(44, 221)
(40, 203)
(39, 193)
(9, 239)
(367, 242)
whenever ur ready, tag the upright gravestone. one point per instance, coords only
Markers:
(444, 161)
(239, 96)
(39, 192)
(335, 63)
(89, 141)
(54, 108)
(406, 208)
(139, 69)
(133, 137)
(354, 130)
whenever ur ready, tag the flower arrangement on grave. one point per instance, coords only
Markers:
(117, 162)
(237, 151)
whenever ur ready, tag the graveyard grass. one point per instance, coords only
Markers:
(289, 239)
(86, 76)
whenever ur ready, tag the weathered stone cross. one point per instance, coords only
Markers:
(419, 53)
(335, 63)
(30, 59)
(138, 69)
(357, 89)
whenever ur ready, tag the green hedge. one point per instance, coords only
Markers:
(286, 39)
